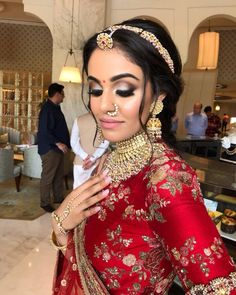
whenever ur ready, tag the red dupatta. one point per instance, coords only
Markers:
(74, 274)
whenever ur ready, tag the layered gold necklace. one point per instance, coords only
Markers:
(129, 157)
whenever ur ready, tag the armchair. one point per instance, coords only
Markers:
(32, 165)
(7, 168)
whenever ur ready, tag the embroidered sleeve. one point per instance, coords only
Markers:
(191, 240)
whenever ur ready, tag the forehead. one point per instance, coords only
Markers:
(104, 64)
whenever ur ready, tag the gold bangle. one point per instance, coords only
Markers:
(55, 244)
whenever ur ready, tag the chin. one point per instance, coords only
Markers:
(117, 136)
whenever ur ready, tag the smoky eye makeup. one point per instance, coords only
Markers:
(95, 92)
(95, 89)
(125, 92)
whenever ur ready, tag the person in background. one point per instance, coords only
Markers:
(225, 121)
(214, 122)
(53, 143)
(87, 152)
(174, 124)
(141, 220)
(196, 121)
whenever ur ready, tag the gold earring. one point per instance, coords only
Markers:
(115, 112)
(154, 124)
(99, 134)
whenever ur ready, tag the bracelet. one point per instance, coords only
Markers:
(54, 243)
(59, 224)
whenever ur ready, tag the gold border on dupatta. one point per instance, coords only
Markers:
(91, 283)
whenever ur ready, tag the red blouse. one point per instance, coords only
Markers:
(154, 226)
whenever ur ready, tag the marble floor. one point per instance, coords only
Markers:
(26, 257)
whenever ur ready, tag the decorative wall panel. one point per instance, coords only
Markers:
(25, 48)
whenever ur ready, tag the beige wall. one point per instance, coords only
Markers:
(180, 17)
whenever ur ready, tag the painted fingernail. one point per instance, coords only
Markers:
(105, 192)
(105, 172)
(108, 179)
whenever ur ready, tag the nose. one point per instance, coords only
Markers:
(107, 102)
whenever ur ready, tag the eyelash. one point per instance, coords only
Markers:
(122, 93)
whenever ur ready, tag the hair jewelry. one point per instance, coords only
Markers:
(105, 41)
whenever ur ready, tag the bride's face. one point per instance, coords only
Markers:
(114, 80)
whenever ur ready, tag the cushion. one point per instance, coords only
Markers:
(4, 138)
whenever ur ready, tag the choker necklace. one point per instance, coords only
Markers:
(129, 157)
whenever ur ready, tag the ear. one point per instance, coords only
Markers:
(161, 96)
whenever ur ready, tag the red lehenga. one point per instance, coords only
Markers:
(147, 232)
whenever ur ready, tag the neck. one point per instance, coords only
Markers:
(53, 100)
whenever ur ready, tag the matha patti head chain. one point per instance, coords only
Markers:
(105, 41)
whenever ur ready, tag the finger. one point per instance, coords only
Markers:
(92, 190)
(91, 182)
(87, 203)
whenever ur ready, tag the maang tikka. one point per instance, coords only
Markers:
(154, 124)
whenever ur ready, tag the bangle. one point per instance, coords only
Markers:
(59, 224)
(55, 244)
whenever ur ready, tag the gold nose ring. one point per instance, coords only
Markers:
(115, 112)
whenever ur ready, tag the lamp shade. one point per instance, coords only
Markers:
(70, 74)
(217, 108)
(208, 51)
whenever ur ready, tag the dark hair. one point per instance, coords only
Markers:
(207, 109)
(54, 88)
(154, 67)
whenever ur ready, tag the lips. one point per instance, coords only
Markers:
(110, 123)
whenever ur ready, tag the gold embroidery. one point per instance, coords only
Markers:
(90, 281)
(218, 286)
(184, 257)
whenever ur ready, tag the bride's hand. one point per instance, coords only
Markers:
(79, 204)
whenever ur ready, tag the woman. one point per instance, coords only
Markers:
(141, 220)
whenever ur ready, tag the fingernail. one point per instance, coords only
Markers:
(108, 179)
(105, 172)
(105, 192)
(96, 209)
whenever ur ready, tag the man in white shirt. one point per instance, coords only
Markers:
(196, 122)
(86, 152)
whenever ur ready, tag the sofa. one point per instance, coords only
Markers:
(14, 135)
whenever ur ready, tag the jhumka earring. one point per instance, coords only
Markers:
(154, 124)
(99, 134)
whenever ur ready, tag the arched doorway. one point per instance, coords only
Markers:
(25, 67)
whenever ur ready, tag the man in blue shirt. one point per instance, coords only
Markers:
(196, 122)
(53, 143)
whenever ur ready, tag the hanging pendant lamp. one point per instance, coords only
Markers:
(70, 73)
(208, 50)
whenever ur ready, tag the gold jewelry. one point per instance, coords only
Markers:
(129, 157)
(55, 244)
(154, 124)
(65, 214)
(115, 112)
(105, 41)
(99, 134)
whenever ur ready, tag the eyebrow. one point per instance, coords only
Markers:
(115, 78)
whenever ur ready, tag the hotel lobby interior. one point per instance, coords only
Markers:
(38, 39)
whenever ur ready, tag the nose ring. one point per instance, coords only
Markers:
(115, 112)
